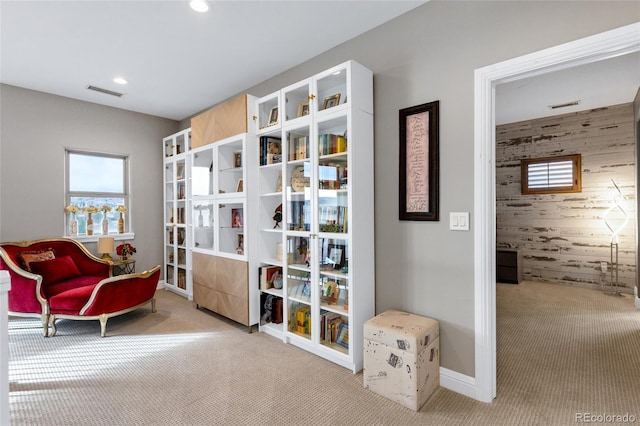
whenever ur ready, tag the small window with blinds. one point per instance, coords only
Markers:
(551, 175)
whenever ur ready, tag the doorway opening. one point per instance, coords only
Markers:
(599, 47)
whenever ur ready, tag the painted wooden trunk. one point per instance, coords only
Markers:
(563, 237)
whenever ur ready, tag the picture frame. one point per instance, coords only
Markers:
(179, 170)
(273, 116)
(343, 335)
(237, 218)
(331, 101)
(240, 186)
(237, 159)
(303, 108)
(336, 254)
(419, 169)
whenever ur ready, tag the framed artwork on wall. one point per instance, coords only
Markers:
(419, 162)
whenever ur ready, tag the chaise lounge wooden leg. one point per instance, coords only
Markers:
(103, 324)
(153, 305)
(45, 324)
(52, 324)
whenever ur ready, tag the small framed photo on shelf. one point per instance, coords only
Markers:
(240, 186)
(237, 218)
(273, 116)
(336, 255)
(237, 158)
(303, 108)
(180, 171)
(343, 335)
(331, 101)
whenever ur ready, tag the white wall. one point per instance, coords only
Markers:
(35, 130)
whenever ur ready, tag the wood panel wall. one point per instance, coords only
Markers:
(563, 237)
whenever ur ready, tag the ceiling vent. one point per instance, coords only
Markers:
(105, 91)
(568, 104)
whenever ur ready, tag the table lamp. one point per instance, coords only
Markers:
(105, 246)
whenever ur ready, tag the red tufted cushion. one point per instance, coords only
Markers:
(56, 269)
(26, 257)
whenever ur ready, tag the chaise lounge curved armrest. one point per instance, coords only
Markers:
(58, 276)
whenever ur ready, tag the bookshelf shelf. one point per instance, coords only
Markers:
(325, 199)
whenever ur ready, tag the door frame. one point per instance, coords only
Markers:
(595, 48)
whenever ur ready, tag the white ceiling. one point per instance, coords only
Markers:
(609, 82)
(178, 62)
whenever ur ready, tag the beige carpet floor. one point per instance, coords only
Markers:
(561, 351)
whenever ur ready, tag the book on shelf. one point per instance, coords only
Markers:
(270, 150)
(329, 322)
(342, 338)
(277, 314)
(298, 147)
(331, 144)
(267, 276)
(303, 319)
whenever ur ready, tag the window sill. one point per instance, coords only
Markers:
(94, 238)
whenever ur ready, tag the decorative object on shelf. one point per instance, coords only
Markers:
(615, 219)
(105, 221)
(298, 179)
(236, 218)
(419, 162)
(237, 158)
(73, 222)
(277, 217)
(240, 186)
(122, 210)
(276, 280)
(125, 250)
(90, 211)
(303, 108)
(273, 116)
(331, 101)
(105, 246)
(240, 244)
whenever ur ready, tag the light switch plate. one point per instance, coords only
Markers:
(459, 221)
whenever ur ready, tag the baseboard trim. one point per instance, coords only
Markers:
(457, 382)
(637, 299)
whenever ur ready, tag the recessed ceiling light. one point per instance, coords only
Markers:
(199, 5)
(120, 80)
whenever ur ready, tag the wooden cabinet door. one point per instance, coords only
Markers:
(222, 121)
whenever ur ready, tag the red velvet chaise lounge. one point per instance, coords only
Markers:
(59, 278)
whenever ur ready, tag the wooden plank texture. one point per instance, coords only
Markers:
(563, 237)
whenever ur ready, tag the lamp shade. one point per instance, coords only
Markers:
(106, 245)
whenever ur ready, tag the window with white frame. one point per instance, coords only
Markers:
(97, 185)
(551, 175)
